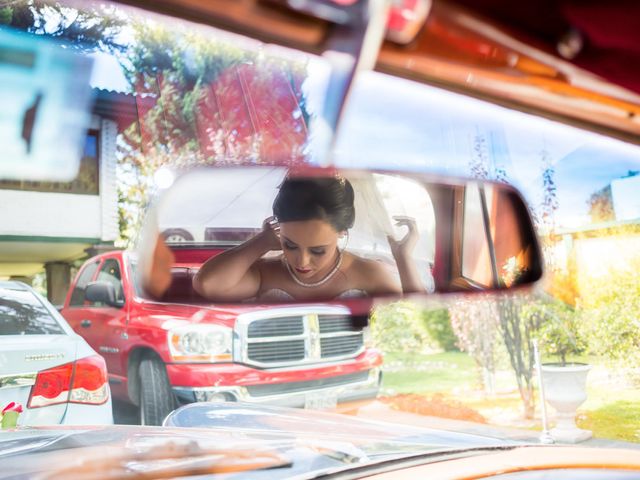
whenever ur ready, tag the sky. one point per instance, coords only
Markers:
(396, 123)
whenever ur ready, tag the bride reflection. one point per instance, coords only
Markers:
(311, 219)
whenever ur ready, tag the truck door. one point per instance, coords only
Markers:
(103, 326)
(76, 312)
(108, 327)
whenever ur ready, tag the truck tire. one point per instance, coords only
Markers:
(156, 397)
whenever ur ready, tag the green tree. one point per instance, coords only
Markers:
(601, 205)
(203, 101)
(610, 312)
(94, 27)
(397, 327)
(558, 327)
(437, 323)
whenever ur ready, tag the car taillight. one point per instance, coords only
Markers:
(90, 381)
(52, 386)
(84, 381)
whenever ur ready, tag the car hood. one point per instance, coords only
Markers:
(260, 442)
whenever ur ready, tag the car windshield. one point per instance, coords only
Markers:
(114, 115)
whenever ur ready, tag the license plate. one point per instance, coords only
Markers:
(320, 401)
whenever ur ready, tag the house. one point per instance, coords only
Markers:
(48, 225)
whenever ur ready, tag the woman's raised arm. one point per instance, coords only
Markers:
(234, 275)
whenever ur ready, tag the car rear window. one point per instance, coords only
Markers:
(22, 313)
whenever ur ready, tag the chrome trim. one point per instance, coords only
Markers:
(312, 337)
(312, 348)
(340, 334)
(18, 380)
(276, 339)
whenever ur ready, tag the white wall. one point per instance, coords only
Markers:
(626, 197)
(67, 215)
(40, 214)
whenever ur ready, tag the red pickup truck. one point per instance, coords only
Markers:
(182, 349)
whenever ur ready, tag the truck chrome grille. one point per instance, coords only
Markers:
(336, 323)
(283, 351)
(331, 347)
(276, 327)
(293, 336)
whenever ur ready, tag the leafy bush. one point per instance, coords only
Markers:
(397, 327)
(438, 325)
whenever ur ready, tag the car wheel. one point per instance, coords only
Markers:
(177, 235)
(156, 397)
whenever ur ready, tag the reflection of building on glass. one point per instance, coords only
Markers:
(86, 181)
(625, 197)
(42, 125)
(53, 223)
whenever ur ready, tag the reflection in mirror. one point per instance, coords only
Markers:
(272, 235)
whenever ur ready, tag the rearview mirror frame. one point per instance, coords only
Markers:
(503, 231)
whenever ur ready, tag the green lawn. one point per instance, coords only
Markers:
(612, 414)
(420, 373)
(609, 414)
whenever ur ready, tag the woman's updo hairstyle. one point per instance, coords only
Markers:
(318, 198)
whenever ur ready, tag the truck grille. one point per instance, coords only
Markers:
(294, 336)
(276, 327)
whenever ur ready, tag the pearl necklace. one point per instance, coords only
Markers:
(327, 277)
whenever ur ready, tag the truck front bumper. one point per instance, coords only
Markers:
(320, 387)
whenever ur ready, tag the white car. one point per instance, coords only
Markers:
(45, 366)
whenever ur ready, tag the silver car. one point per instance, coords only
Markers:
(45, 366)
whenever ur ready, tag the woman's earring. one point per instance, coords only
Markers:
(343, 241)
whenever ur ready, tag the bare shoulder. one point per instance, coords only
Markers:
(374, 275)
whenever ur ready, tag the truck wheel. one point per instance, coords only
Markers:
(156, 397)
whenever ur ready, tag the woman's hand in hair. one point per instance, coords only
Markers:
(270, 234)
(402, 251)
(403, 248)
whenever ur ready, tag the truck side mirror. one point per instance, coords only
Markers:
(102, 292)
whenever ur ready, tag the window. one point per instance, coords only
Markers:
(476, 262)
(85, 183)
(77, 297)
(110, 273)
(22, 313)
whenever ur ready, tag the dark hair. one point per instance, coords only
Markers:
(322, 198)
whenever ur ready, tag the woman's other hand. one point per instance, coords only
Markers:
(402, 251)
(403, 248)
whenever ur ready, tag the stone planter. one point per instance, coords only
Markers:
(565, 390)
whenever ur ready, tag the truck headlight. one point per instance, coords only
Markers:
(201, 343)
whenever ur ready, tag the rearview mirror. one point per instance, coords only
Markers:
(272, 235)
